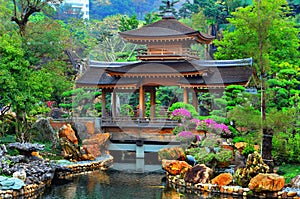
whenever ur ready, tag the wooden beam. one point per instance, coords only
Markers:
(103, 101)
(152, 103)
(141, 102)
(185, 95)
(114, 104)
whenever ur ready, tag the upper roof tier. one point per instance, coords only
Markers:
(168, 29)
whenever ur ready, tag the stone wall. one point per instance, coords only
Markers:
(207, 190)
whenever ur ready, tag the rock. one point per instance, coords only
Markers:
(254, 166)
(173, 153)
(175, 167)
(291, 194)
(81, 130)
(239, 160)
(295, 182)
(71, 151)
(96, 144)
(20, 174)
(223, 179)
(66, 131)
(26, 148)
(198, 174)
(36, 154)
(3, 150)
(43, 131)
(266, 182)
(240, 146)
(90, 127)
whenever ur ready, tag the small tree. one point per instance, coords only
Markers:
(23, 9)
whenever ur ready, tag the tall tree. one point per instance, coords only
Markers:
(261, 31)
(21, 87)
(23, 9)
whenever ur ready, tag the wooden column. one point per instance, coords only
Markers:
(141, 102)
(185, 95)
(195, 100)
(103, 102)
(114, 104)
(152, 103)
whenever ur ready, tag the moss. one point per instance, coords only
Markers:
(289, 171)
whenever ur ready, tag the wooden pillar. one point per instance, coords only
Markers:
(152, 103)
(195, 100)
(185, 95)
(114, 104)
(103, 102)
(141, 102)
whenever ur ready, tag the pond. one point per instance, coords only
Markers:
(129, 178)
(116, 184)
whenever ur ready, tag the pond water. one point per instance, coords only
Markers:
(116, 184)
(129, 178)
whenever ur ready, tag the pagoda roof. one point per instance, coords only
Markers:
(165, 29)
(150, 69)
(195, 74)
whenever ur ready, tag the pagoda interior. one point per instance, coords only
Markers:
(168, 61)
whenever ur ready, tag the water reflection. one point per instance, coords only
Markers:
(117, 184)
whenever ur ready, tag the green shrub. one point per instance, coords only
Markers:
(186, 106)
(126, 110)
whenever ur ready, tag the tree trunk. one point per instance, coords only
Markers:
(267, 148)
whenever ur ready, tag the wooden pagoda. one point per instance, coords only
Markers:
(167, 61)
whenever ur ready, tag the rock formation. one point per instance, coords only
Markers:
(266, 182)
(96, 144)
(198, 174)
(67, 132)
(175, 167)
(223, 179)
(173, 153)
(254, 166)
(295, 182)
(70, 147)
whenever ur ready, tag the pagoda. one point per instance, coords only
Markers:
(167, 61)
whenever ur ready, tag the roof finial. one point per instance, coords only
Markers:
(168, 5)
(168, 14)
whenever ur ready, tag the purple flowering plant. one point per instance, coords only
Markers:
(185, 137)
(213, 126)
(181, 115)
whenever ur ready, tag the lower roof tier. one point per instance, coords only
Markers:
(193, 74)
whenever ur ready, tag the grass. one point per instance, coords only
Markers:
(289, 171)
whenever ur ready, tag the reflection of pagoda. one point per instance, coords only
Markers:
(168, 61)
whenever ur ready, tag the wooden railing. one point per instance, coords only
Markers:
(184, 52)
(137, 122)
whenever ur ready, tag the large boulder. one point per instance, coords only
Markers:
(223, 179)
(295, 182)
(67, 132)
(254, 166)
(96, 144)
(175, 167)
(173, 153)
(198, 174)
(43, 131)
(266, 182)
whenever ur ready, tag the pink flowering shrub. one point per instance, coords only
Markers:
(214, 127)
(185, 137)
(181, 115)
